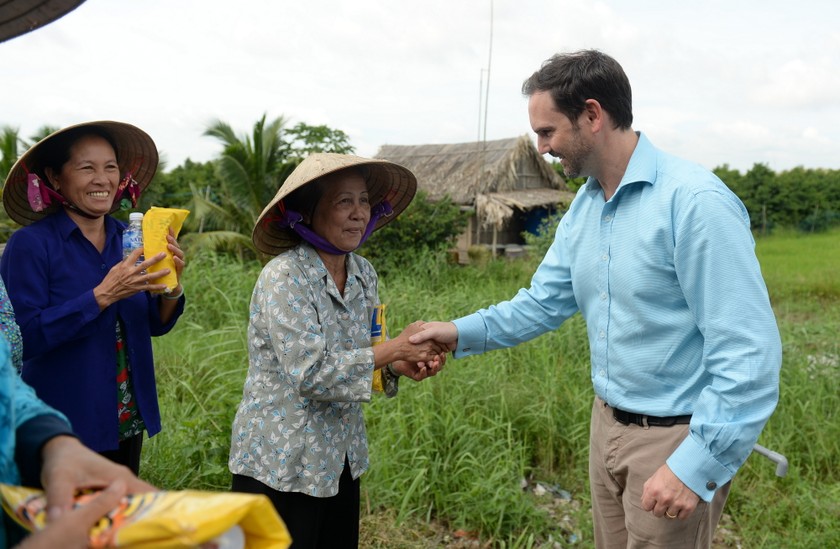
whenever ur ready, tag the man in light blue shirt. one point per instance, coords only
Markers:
(656, 253)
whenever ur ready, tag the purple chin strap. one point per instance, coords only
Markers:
(294, 221)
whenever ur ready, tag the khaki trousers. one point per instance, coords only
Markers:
(621, 459)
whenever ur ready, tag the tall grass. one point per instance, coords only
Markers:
(458, 448)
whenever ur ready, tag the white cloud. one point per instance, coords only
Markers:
(714, 81)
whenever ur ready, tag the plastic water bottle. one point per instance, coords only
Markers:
(133, 235)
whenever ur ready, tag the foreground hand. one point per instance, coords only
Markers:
(418, 371)
(127, 278)
(665, 494)
(72, 529)
(69, 466)
(445, 333)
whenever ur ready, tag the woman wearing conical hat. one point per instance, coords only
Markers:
(86, 315)
(299, 435)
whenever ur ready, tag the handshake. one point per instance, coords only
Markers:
(420, 350)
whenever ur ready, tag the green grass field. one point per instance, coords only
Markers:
(455, 460)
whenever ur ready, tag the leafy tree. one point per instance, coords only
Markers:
(172, 189)
(423, 226)
(542, 240)
(248, 176)
(10, 142)
(308, 139)
(42, 132)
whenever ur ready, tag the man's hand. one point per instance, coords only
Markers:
(69, 466)
(445, 333)
(72, 529)
(665, 495)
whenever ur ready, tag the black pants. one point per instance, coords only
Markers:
(127, 454)
(314, 523)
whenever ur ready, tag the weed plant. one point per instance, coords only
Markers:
(457, 449)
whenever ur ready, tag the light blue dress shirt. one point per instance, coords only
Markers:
(677, 312)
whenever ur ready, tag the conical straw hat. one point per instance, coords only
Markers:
(21, 16)
(386, 181)
(135, 151)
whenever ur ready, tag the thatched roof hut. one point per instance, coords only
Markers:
(506, 181)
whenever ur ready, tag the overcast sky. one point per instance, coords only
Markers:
(732, 82)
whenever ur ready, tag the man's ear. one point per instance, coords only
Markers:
(593, 114)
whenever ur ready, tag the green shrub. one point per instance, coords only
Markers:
(425, 227)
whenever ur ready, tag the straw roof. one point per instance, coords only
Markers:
(21, 16)
(487, 175)
(465, 170)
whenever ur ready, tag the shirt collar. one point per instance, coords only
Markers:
(355, 281)
(641, 168)
(642, 165)
(66, 226)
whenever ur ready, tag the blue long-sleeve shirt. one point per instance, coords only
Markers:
(677, 312)
(69, 346)
(26, 424)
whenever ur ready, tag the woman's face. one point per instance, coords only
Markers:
(90, 177)
(343, 212)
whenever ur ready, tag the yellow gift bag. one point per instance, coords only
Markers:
(166, 520)
(156, 224)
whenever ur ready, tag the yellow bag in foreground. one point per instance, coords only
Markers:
(378, 334)
(164, 520)
(156, 224)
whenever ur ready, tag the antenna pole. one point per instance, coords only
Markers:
(489, 60)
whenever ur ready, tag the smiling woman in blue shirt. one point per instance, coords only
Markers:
(656, 253)
(86, 315)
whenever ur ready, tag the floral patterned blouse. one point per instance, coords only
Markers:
(310, 369)
(10, 329)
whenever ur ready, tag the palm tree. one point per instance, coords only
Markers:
(10, 142)
(9, 150)
(42, 132)
(250, 171)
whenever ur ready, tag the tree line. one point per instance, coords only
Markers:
(226, 195)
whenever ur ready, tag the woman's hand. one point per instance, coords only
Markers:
(72, 529)
(418, 371)
(126, 279)
(177, 255)
(68, 466)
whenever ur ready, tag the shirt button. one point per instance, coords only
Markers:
(602, 373)
(603, 296)
(607, 218)
(345, 316)
(601, 335)
(604, 257)
(711, 485)
(348, 345)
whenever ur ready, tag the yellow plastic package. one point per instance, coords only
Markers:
(378, 334)
(156, 224)
(166, 520)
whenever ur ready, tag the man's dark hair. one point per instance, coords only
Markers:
(572, 78)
